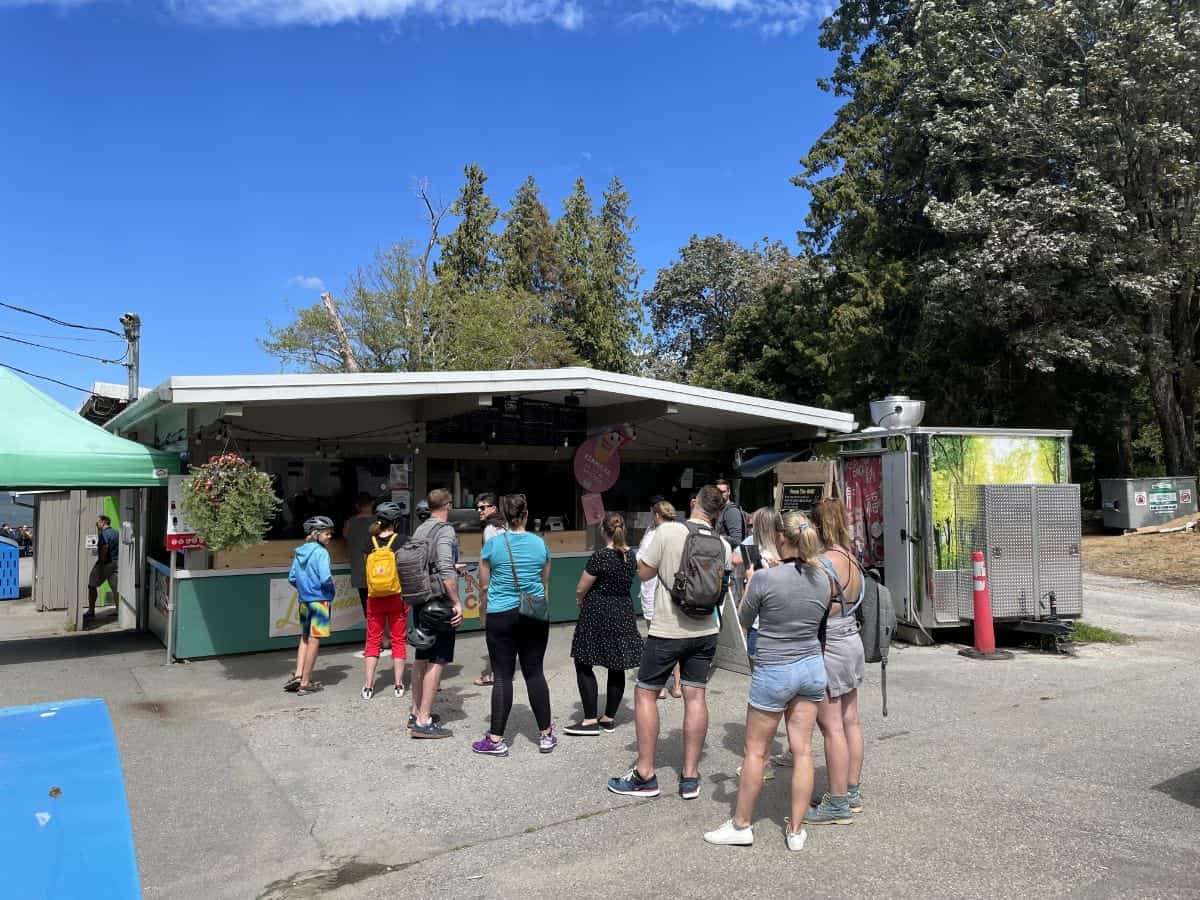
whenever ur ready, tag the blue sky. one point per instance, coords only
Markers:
(205, 162)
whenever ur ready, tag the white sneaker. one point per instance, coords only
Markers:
(367, 693)
(732, 835)
(795, 839)
(399, 691)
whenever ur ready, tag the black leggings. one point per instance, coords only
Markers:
(588, 690)
(510, 636)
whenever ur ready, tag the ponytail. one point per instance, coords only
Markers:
(614, 529)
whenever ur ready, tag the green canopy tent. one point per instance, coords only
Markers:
(43, 445)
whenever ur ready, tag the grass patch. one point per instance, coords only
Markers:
(1086, 633)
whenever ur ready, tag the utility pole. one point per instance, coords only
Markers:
(132, 323)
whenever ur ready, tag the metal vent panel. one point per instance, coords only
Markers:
(1058, 529)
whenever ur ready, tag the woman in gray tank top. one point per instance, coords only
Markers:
(845, 666)
(791, 601)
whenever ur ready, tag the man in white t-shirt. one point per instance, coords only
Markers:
(674, 638)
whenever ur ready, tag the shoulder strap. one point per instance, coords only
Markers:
(512, 563)
(375, 542)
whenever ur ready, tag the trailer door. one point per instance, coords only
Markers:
(897, 523)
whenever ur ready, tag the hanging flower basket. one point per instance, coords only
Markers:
(229, 502)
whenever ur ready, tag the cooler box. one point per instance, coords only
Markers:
(10, 569)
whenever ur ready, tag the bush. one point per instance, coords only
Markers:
(229, 502)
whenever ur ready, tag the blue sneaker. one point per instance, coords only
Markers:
(689, 788)
(631, 784)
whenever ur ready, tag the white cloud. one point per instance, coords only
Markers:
(308, 282)
(773, 18)
(565, 14)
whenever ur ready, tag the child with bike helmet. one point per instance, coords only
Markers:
(385, 605)
(312, 578)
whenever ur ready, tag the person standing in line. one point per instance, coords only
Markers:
(791, 601)
(493, 524)
(312, 578)
(606, 633)
(663, 511)
(845, 667)
(674, 638)
(357, 533)
(386, 609)
(430, 663)
(108, 545)
(731, 525)
(516, 562)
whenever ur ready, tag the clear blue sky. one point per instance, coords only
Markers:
(193, 160)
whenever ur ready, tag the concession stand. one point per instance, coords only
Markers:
(576, 441)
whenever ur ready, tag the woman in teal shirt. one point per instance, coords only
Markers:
(510, 635)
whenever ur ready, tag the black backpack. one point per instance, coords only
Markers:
(699, 583)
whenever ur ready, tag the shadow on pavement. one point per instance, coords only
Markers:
(1185, 788)
(75, 646)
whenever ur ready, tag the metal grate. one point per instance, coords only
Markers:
(1030, 537)
(1058, 547)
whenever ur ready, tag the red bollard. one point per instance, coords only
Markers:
(985, 634)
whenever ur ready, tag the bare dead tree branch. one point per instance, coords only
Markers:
(349, 362)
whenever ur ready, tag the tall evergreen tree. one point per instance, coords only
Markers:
(614, 313)
(468, 260)
(573, 239)
(528, 255)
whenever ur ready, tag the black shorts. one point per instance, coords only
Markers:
(442, 651)
(694, 655)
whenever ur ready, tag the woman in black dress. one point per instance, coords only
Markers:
(606, 633)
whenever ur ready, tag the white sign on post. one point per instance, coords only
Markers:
(285, 607)
(180, 535)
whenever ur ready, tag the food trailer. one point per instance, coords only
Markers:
(922, 499)
(578, 442)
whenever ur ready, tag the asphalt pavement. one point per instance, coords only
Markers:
(1043, 775)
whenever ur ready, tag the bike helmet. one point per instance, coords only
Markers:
(435, 615)
(389, 511)
(422, 510)
(318, 523)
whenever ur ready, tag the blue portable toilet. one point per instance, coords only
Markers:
(10, 569)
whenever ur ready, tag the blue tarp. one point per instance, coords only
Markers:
(64, 820)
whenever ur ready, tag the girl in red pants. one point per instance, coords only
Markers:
(387, 610)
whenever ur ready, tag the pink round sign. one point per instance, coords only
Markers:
(598, 462)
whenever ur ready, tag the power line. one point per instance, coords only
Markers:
(78, 340)
(65, 324)
(73, 387)
(111, 362)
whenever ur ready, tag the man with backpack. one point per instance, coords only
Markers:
(733, 525)
(690, 564)
(439, 536)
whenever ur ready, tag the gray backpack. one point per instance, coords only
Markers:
(877, 624)
(417, 566)
(699, 584)
(876, 619)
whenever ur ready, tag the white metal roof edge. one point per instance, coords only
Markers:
(197, 389)
(870, 433)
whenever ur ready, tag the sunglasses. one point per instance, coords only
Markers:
(482, 508)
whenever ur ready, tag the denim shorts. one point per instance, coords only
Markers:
(772, 688)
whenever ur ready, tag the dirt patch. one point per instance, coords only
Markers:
(1170, 559)
(160, 708)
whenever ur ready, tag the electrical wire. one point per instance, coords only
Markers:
(63, 323)
(73, 387)
(78, 340)
(110, 362)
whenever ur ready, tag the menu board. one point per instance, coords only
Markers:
(800, 497)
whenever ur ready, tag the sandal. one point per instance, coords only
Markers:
(484, 681)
